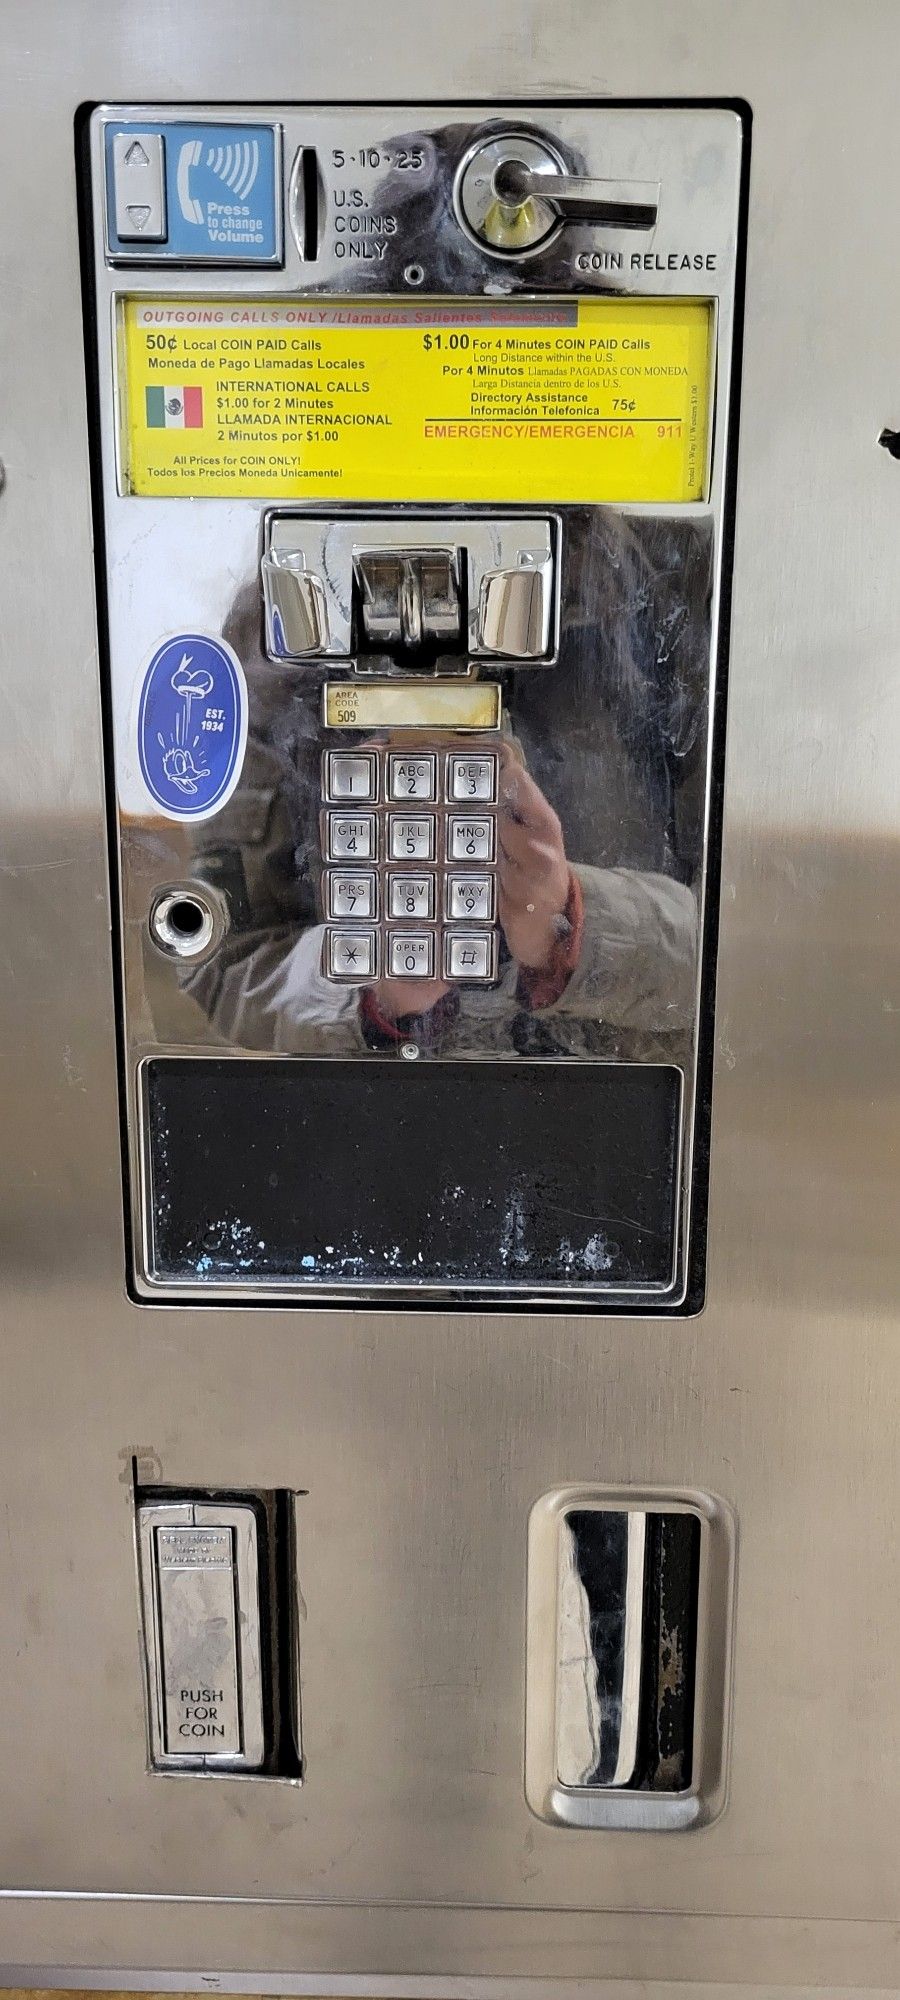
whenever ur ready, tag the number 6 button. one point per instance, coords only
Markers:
(470, 839)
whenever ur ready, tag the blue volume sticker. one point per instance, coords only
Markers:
(223, 193)
(192, 725)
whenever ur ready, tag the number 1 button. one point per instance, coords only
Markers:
(350, 777)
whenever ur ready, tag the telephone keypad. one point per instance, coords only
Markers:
(410, 873)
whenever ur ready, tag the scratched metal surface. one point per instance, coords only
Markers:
(409, 1862)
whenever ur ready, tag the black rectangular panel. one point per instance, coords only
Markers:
(528, 1176)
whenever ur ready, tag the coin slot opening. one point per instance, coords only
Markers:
(309, 185)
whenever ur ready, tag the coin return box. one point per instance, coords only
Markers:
(629, 1621)
(218, 1596)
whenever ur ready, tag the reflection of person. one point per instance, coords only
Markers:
(599, 953)
(539, 900)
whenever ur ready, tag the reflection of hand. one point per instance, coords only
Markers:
(532, 868)
(394, 997)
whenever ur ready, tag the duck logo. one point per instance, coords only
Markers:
(192, 725)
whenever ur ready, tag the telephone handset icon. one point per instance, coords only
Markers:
(189, 157)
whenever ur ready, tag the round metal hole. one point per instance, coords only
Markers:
(414, 274)
(184, 922)
(495, 201)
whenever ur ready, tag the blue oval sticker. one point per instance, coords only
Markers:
(192, 725)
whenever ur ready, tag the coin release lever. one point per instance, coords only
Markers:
(577, 198)
(514, 193)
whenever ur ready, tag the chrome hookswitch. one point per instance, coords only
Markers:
(296, 607)
(413, 588)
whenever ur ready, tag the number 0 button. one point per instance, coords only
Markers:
(411, 955)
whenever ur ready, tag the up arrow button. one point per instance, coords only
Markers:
(138, 192)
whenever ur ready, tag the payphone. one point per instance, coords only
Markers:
(416, 445)
(410, 1020)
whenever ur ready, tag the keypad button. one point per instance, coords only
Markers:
(351, 776)
(411, 896)
(350, 895)
(351, 837)
(411, 839)
(470, 897)
(470, 839)
(350, 955)
(410, 955)
(473, 778)
(412, 777)
(468, 955)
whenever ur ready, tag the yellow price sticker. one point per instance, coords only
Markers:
(508, 400)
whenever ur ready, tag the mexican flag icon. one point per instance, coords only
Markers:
(174, 406)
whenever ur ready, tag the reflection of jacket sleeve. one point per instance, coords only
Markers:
(273, 995)
(637, 964)
(634, 974)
